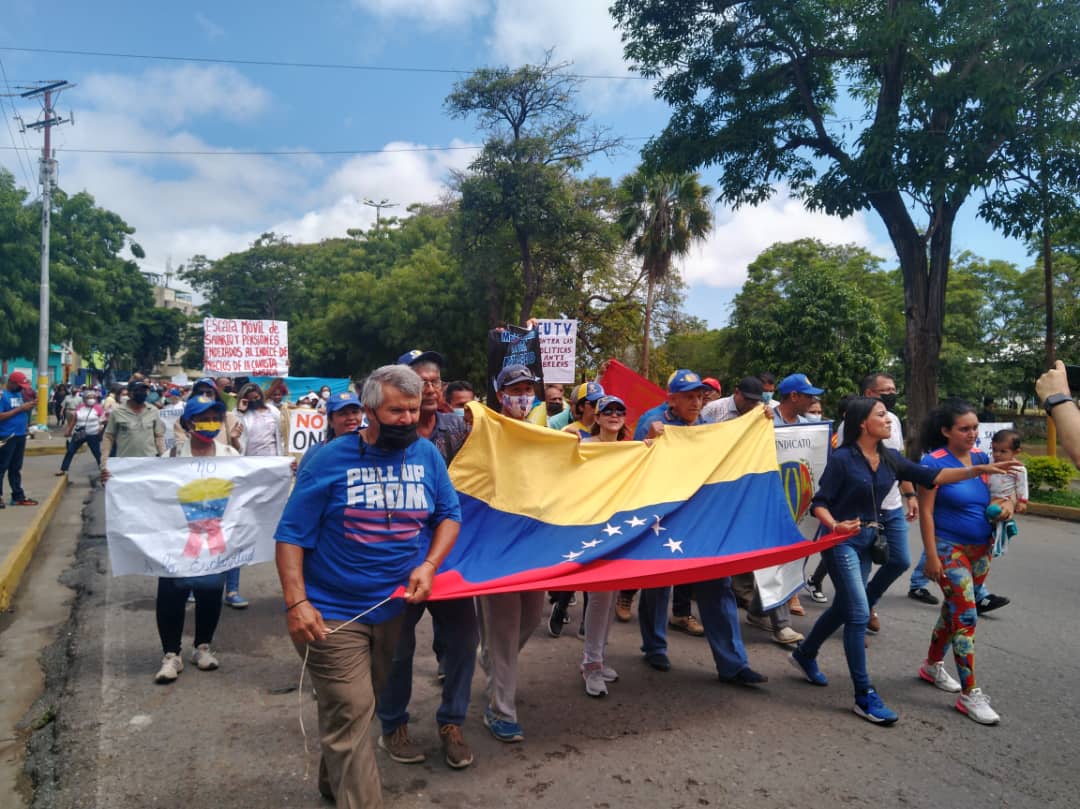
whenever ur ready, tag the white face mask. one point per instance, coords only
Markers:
(813, 417)
(90, 402)
(326, 394)
(123, 399)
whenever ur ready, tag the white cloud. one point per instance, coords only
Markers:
(426, 11)
(175, 96)
(209, 28)
(721, 261)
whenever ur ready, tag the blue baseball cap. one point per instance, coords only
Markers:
(416, 355)
(339, 400)
(587, 392)
(685, 380)
(197, 405)
(512, 374)
(797, 383)
(604, 402)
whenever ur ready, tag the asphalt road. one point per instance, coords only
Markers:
(232, 738)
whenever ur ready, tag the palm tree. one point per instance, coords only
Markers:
(661, 216)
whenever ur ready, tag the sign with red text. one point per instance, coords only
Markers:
(558, 349)
(245, 347)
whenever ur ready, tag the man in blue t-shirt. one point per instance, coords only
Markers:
(368, 514)
(16, 402)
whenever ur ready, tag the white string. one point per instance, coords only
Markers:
(303, 669)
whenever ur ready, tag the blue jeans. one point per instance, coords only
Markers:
(918, 579)
(719, 616)
(232, 580)
(11, 461)
(849, 567)
(456, 636)
(896, 534)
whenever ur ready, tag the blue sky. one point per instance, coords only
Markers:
(187, 204)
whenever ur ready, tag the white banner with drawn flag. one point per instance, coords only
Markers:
(802, 450)
(178, 517)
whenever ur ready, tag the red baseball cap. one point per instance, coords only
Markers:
(18, 377)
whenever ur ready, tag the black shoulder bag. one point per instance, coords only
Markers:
(879, 549)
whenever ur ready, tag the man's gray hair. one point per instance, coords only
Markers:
(402, 377)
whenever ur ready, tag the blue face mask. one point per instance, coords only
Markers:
(459, 411)
(766, 396)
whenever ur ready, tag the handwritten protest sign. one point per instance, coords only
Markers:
(306, 428)
(169, 416)
(249, 347)
(802, 451)
(986, 432)
(558, 349)
(177, 517)
(511, 346)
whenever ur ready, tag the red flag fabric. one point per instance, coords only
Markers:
(638, 392)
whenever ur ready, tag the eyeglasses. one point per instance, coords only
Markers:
(432, 383)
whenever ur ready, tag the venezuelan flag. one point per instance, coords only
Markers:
(541, 511)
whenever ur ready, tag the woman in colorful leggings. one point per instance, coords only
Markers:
(958, 538)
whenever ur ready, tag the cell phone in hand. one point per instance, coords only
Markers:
(1072, 374)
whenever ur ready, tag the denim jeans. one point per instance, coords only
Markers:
(77, 440)
(849, 566)
(918, 579)
(232, 580)
(719, 616)
(11, 461)
(896, 534)
(456, 635)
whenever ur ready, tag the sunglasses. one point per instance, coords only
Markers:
(613, 411)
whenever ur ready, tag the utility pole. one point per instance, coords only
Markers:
(378, 206)
(48, 120)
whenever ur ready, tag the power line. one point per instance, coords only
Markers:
(28, 167)
(277, 63)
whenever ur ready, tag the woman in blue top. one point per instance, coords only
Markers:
(848, 500)
(957, 537)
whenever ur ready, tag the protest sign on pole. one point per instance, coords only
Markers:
(511, 346)
(169, 415)
(558, 349)
(306, 428)
(802, 450)
(245, 347)
(177, 517)
(986, 432)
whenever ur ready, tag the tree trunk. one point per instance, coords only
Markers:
(650, 300)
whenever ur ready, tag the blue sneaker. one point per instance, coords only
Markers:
(870, 707)
(808, 668)
(502, 729)
(235, 600)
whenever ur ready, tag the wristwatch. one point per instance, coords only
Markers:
(1053, 400)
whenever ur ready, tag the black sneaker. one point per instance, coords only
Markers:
(746, 676)
(990, 603)
(923, 595)
(557, 619)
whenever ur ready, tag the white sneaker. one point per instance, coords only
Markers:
(171, 666)
(594, 679)
(609, 674)
(786, 636)
(935, 674)
(204, 658)
(976, 705)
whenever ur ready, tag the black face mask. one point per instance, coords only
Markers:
(889, 400)
(139, 396)
(256, 403)
(554, 408)
(395, 436)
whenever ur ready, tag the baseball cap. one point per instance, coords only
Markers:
(18, 377)
(197, 405)
(751, 388)
(604, 402)
(512, 374)
(712, 382)
(587, 392)
(339, 400)
(797, 383)
(684, 380)
(416, 355)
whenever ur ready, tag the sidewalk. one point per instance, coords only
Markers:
(21, 527)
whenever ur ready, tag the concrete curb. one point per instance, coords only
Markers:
(12, 568)
(1050, 510)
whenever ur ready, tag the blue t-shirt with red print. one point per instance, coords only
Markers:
(960, 508)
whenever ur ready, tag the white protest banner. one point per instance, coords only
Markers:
(986, 432)
(177, 517)
(243, 347)
(169, 416)
(306, 428)
(558, 349)
(802, 450)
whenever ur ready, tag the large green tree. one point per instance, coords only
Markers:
(661, 216)
(903, 107)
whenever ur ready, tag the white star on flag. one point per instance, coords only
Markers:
(611, 530)
(592, 543)
(656, 528)
(570, 557)
(635, 521)
(674, 545)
